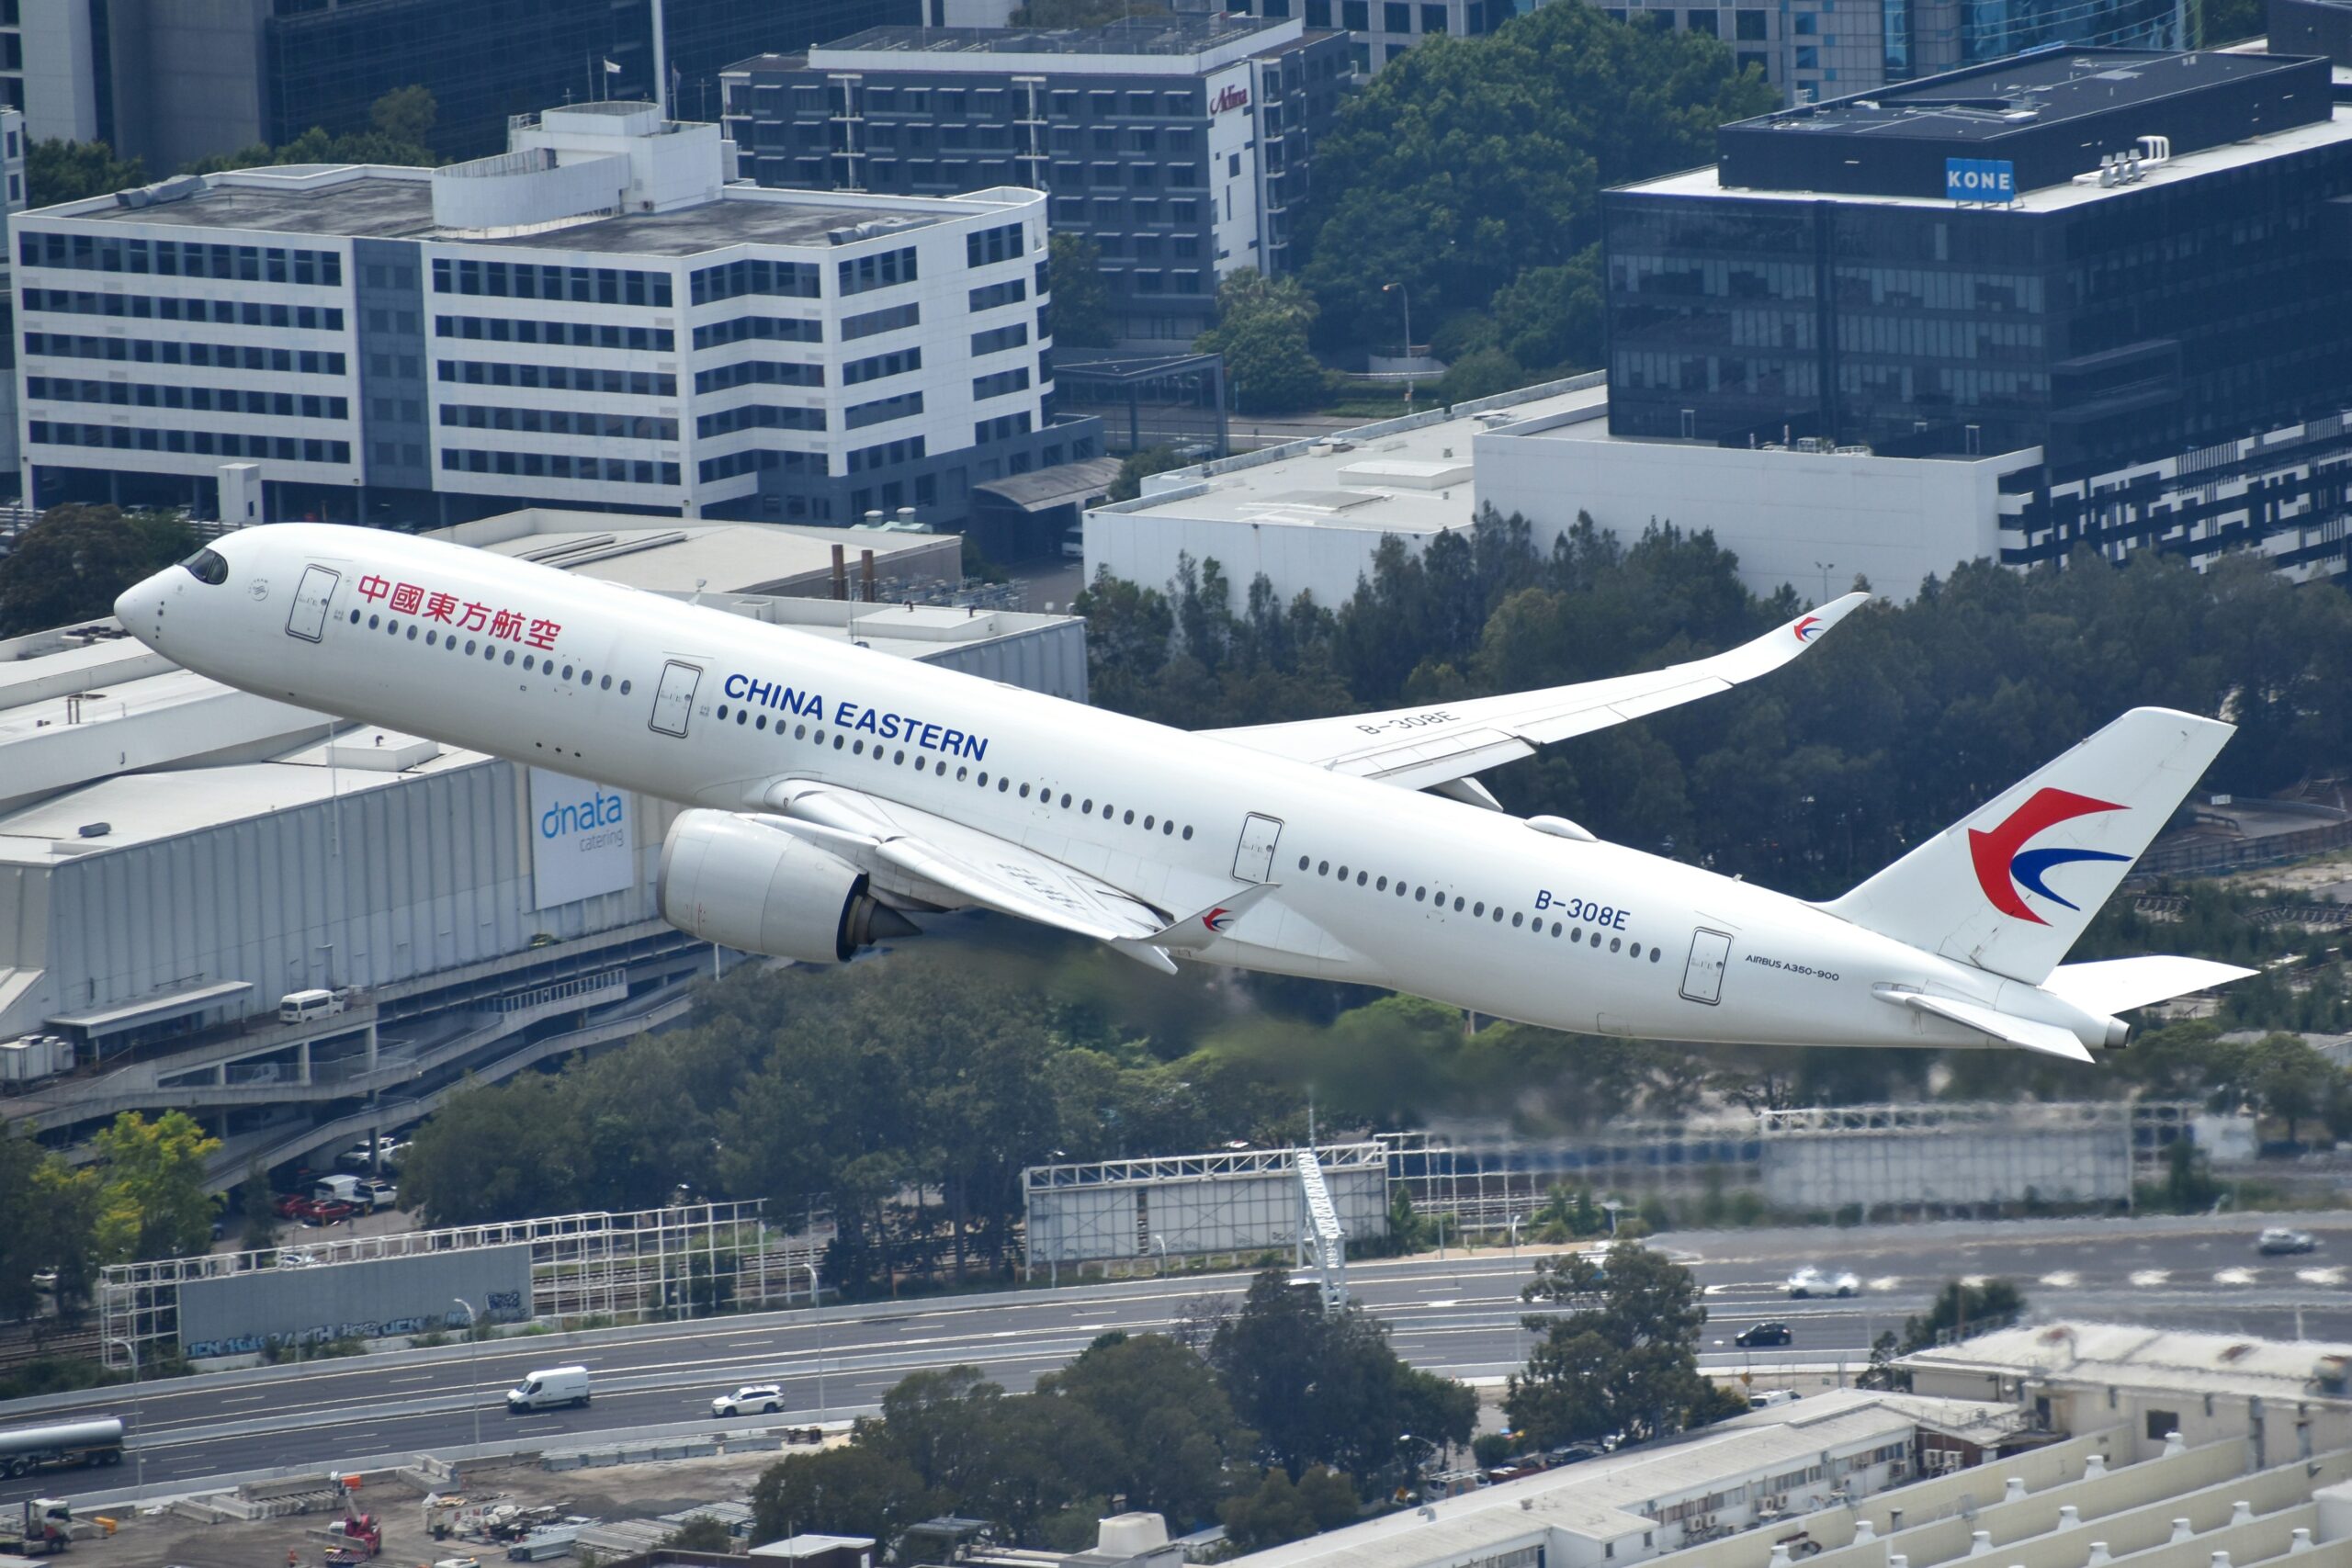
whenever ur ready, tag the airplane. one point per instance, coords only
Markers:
(832, 792)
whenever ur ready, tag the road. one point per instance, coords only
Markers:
(1459, 1315)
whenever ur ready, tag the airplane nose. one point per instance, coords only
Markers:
(136, 606)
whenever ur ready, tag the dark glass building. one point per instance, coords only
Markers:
(2167, 270)
(1180, 145)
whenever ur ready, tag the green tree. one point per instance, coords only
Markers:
(27, 1235)
(1081, 298)
(856, 1489)
(1171, 1432)
(71, 565)
(1623, 1357)
(59, 172)
(1550, 319)
(1882, 1373)
(701, 1533)
(1136, 466)
(1481, 374)
(1261, 331)
(1468, 161)
(1961, 1309)
(1325, 1388)
(1279, 1510)
(2282, 1077)
(256, 1207)
(155, 1203)
(405, 115)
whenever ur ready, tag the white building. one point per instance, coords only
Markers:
(591, 317)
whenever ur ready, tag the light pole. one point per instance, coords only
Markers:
(1514, 1233)
(815, 1311)
(1407, 295)
(1159, 1246)
(473, 1372)
(1824, 568)
(139, 1456)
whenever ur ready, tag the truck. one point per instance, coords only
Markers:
(363, 1194)
(355, 1537)
(65, 1446)
(43, 1525)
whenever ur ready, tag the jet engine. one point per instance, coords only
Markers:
(742, 882)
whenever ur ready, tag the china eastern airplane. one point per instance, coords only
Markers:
(833, 792)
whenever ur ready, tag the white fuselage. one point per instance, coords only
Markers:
(1370, 883)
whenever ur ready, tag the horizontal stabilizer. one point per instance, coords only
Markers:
(2119, 985)
(2047, 1038)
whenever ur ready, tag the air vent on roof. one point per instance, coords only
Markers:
(95, 829)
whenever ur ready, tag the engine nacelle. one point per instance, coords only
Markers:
(743, 884)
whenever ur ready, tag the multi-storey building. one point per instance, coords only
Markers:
(2134, 268)
(1813, 49)
(172, 81)
(590, 319)
(1179, 145)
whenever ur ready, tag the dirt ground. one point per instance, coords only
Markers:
(2325, 879)
(619, 1491)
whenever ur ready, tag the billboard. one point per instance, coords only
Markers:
(1980, 179)
(583, 840)
(243, 1314)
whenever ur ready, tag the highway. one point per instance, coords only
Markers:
(1459, 1315)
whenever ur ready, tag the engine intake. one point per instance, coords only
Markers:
(744, 882)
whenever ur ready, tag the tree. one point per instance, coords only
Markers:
(72, 564)
(2280, 1076)
(856, 1489)
(59, 172)
(701, 1533)
(1325, 1388)
(1082, 299)
(1550, 319)
(1623, 1359)
(27, 1233)
(256, 1207)
(1481, 374)
(1261, 330)
(1882, 1373)
(1136, 466)
(1280, 1510)
(1170, 1431)
(405, 114)
(1961, 1309)
(155, 1203)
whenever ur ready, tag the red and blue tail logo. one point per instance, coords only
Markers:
(2004, 864)
(1216, 920)
(1808, 628)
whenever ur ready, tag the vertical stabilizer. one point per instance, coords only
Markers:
(2011, 886)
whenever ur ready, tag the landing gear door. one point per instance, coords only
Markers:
(673, 699)
(1703, 977)
(309, 619)
(1253, 858)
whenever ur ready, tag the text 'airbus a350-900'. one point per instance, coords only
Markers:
(833, 792)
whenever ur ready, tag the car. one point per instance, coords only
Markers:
(290, 1206)
(294, 1257)
(331, 1213)
(1575, 1453)
(45, 1282)
(1757, 1335)
(1812, 1282)
(2279, 1240)
(764, 1397)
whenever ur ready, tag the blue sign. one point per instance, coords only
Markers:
(1980, 179)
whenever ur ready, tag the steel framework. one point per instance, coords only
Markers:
(1188, 1205)
(641, 1265)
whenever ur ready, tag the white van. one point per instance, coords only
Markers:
(301, 1007)
(551, 1386)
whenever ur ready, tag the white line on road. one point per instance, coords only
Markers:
(2147, 1278)
(2064, 1279)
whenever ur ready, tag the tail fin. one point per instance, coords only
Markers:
(1980, 891)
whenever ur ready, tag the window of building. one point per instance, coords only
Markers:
(2162, 1423)
(1702, 22)
(1396, 16)
(1749, 26)
(879, 271)
(1433, 19)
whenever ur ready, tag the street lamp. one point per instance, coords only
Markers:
(1824, 568)
(473, 1372)
(1159, 1246)
(1407, 295)
(137, 1455)
(815, 1311)
(1514, 1233)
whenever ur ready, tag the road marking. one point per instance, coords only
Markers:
(2147, 1278)
(1449, 1302)
(243, 1398)
(2320, 1276)
(1973, 1282)
(2234, 1277)
(1887, 1283)
(2064, 1279)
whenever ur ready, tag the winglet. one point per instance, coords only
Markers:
(1197, 930)
(1786, 641)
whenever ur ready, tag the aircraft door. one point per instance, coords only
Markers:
(1253, 858)
(308, 619)
(673, 699)
(1703, 977)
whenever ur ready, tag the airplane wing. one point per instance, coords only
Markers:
(923, 856)
(1442, 742)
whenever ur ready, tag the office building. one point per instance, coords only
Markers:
(172, 81)
(12, 202)
(591, 319)
(2134, 268)
(1178, 144)
(1817, 50)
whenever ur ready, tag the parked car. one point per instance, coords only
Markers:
(1812, 1282)
(333, 1213)
(1757, 1335)
(765, 1397)
(2279, 1240)
(290, 1206)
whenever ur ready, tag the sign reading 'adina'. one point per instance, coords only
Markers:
(581, 840)
(1980, 179)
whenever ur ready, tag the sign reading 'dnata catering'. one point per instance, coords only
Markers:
(1980, 179)
(581, 842)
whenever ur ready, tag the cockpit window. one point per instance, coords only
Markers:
(206, 566)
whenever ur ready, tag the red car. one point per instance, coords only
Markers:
(331, 1213)
(291, 1206)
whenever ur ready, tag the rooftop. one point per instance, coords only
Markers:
(1175, 34)
(2123, 1355)
(1403, 476)
(664, 556)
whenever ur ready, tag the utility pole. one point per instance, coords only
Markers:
(473, 1372)
(817, 1311)
(140, 1454)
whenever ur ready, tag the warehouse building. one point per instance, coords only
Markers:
(176, 856)
(593, 317)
